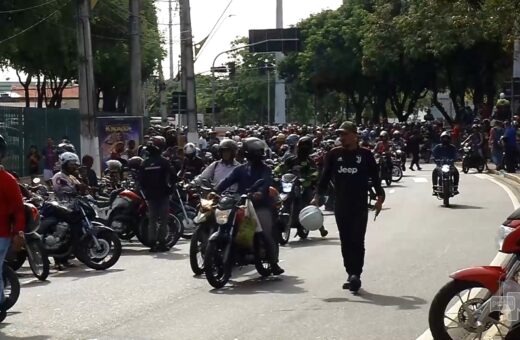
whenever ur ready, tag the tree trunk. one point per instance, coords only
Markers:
(438, 105)
(109, 99)
(25, 85)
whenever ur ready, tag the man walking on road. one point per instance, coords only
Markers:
(351, 168)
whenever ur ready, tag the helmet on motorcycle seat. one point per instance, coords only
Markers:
(135, 162)
(228, 144)
(190, 149)
(292, 140)
(113, 165)
(254, 148)
(3, 147)
(311, 218)
(67, 157)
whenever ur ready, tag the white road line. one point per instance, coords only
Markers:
(500, 259)
(420, 180)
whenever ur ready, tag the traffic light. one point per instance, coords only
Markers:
(232, 68)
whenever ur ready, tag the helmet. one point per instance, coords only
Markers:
(445, 134)
(502, 95)
(305, 145)
(114, 165)
(190, 149)
(228, 144)
(69, 157)
(135, 162)
(475, 126)
(396, 133)
(158, 141)
(3, 147)
(236, 138)
(254, 148)
(65, 147)
(383, 134)
(292, 140)
(280, 138)
(311, 218)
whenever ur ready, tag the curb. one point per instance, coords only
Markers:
(505, 175)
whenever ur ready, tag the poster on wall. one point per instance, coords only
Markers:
(119, 138)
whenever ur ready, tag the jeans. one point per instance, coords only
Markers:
(158, 210)
(5, 242)
(497, 155)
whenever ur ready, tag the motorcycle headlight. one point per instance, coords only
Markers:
(445, 168)
(503, 232)
(287, 187)
(221, 216)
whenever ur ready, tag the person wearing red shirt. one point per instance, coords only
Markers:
(12, 217)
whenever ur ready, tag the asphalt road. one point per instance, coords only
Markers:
(411, 249)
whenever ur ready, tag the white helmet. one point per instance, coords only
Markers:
(311, 218)
(502, 95)
(114, 165)
(189, 149)
(69, 157)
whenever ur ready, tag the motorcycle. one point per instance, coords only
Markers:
(223, 252)
(205, 220)
(445, 187)
(475, 297)
(291, 199)
(386, 167)
(472, 159)
(11, 288)
(33, 249)
(184, 213)
(69, 229)
(129, 217)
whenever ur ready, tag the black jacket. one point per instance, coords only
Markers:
(156, 178)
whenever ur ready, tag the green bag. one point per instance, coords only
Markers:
(246, 232)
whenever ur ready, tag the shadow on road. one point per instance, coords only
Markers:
(35, 337)
(402, 302)
(464, 207)
(34, 283)
(170, 255)
(259, 285)
(329, 241)
(79, 273)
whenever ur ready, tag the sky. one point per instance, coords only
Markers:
(241, 16)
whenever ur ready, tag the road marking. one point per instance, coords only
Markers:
(420, 180)
(500, 259)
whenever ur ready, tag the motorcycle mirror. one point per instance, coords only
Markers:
(36, 180)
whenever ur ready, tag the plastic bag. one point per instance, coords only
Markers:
(248, 227)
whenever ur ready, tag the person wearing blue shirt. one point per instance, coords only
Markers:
(445, 154)
(245, 176)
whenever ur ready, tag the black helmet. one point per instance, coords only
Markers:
(304, 146)
(3, 147)
(135, 162)
(254, 148)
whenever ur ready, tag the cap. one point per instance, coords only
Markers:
(347, 127)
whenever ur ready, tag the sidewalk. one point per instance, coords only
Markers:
(514, 177)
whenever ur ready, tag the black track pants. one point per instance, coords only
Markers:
(352, 226)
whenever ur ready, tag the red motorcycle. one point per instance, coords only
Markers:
(473, 303)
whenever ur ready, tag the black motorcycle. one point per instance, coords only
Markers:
(472, 159)
(386, 167)
(11, 288)
(68, 229)
(292, 204)
(445, 187)
(223, 252)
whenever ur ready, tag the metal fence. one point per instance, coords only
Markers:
(23, 127)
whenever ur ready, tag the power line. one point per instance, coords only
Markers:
(213, 29)
(32, 26)
(27, 8)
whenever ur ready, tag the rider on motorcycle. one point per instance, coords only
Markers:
(218, 170)
(475, 139)
(445, 154)
(65, 183)
(291, 141)
(383, 146)
(398, 142)
(304, 167)
(192, 163)
(245, 176)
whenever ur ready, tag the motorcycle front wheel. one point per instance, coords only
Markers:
(11, 287)
(217, 271)
(103, 256)
(38, 260)
(187, 227)
(198, 243)
(397, 173)
(449, 312)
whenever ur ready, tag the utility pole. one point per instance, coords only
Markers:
(136, 92)
(162, 96)
(170, 28)
(188, 68)
(87, 109)
(515, 82)
(279, 114)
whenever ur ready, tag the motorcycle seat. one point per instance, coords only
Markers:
(103, 204)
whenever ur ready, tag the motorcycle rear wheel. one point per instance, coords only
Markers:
(38, 260)
(11, 287)
(217, 272)
(175, 230)
(261, 264)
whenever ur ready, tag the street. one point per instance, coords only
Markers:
(411, 249)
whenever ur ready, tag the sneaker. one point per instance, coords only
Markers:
(324, 232)
(354, 284)
(455, 191)
(411, 168)
(419, 168)
(276, 269)
(346, 285)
